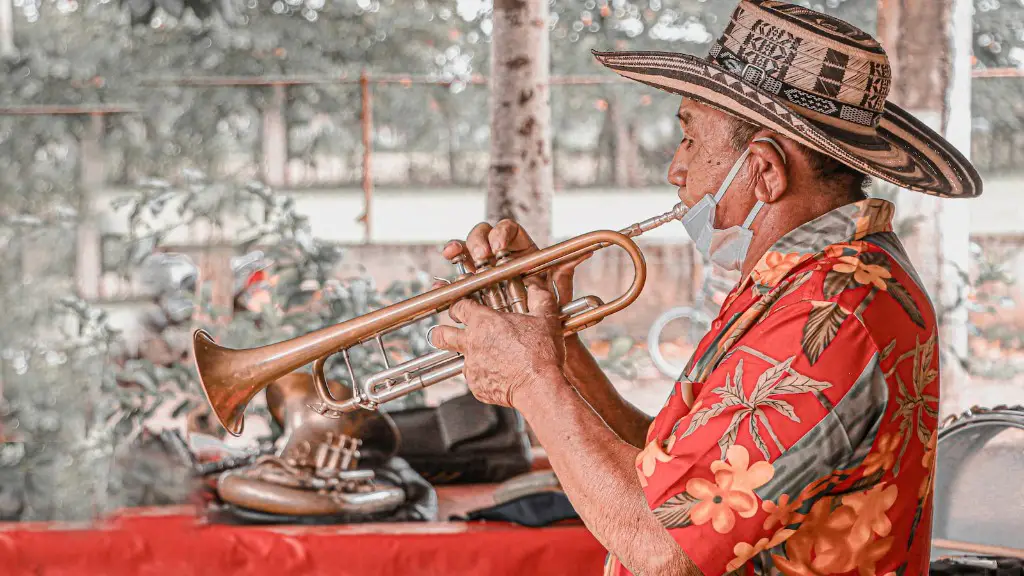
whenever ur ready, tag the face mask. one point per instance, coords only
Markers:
(726, 248)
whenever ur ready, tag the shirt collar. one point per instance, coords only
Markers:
(847, 223)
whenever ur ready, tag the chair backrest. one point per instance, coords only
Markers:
(979, 482)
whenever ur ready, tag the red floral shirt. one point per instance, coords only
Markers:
(809, 447)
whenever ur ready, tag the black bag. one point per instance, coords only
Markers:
(977, 566)
(531, 510)
(464, 441)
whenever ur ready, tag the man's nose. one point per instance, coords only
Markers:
(677, 169)
(677, 174)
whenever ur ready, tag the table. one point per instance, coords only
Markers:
(171, 541)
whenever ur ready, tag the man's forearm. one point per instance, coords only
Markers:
(597, 471)
(582, 371)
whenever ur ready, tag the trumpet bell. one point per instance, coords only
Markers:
(226, 394)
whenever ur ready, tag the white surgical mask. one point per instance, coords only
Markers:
(726, 248)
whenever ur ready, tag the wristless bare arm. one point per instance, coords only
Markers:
(597, 471)
(583, 372)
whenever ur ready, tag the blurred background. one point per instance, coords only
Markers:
(263, 168)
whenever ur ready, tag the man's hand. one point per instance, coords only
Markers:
(505, 352)
(484, 241)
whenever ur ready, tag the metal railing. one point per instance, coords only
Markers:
(365, 80)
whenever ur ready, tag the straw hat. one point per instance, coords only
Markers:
(817, 80)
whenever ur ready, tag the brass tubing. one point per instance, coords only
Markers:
(231, 378)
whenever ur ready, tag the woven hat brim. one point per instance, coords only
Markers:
(903, 150)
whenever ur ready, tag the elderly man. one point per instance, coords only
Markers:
(801, 436)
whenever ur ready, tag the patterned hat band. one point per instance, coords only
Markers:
(757, 76)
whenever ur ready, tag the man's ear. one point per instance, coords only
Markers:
(768, 171)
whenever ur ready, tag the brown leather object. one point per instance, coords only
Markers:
(288, 400)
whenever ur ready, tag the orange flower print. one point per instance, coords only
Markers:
(731, 493)
(837, 540)
(717, 502)
(745, 478)
(783, 512)
(774, 266)
(839, 250)
(863, 273)
(871, 507)
(883, 456)
(822, 528)
(648, 459)
(928, 461)
(744, 551)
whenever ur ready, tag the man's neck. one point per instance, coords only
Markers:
(784, 217)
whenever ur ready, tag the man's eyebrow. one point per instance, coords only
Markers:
(687, 119)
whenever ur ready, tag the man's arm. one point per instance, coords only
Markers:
(597, 470)
(582, 371)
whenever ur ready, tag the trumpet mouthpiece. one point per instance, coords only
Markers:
(673, 215)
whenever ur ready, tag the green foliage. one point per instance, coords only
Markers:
(301, 291)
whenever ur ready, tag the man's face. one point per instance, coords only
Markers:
(703, 160)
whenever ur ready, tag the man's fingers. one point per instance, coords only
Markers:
(468, 312)
(476, 242)
(447, 338)
(540, 302)
(509, 236)
(453, 249)
(562, 278)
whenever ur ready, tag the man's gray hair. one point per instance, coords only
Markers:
(825, 167)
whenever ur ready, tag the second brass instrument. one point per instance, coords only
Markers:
(231, 378)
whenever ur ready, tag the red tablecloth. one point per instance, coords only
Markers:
(173, 542)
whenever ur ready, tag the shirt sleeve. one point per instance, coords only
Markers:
(718, 480)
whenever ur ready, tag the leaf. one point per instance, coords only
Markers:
(737, 381)
(888, 349)
(763, 387)
(783, 407)
(903, 297)
(797, 282)
(703, 416)
(675, 512)
(822, 325)
(729, 438)
(758, 441)
(835, 283)
(799, 384)
(875, 259)
(768, 428)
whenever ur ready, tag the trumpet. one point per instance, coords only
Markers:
(231, 378)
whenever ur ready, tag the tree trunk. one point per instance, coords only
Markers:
(7, 48)
(275, 139)
(521, 177)
(88, 244)
(929, 47)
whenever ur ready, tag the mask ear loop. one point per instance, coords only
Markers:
(732, 176)
(776, 146)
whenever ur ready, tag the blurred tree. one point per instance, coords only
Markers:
(520, 179)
